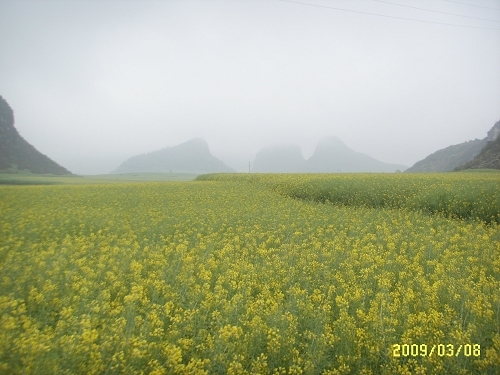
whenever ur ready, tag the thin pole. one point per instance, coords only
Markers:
(248, 167)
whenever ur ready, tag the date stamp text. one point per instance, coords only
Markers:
(441, 350)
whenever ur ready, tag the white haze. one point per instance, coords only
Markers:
(95, 82)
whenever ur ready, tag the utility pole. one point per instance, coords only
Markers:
(248, 167)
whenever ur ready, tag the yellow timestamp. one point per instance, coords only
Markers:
(441, 350)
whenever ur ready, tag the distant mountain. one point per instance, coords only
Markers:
(16, 154)
(192, 156)
(448, 158)
(284, 159)
(331, 155)
(457, 156)
(489, 157)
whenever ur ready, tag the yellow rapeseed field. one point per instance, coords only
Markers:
(253, 274)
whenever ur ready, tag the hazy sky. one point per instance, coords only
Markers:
(95, 82)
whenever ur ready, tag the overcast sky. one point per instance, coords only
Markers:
(94, 82)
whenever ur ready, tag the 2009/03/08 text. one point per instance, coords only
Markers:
(441, 350)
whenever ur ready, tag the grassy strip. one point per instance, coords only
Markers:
(34, 179)
(473, 196)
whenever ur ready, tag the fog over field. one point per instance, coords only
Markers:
(93, 83)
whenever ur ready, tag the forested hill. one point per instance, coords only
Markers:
(489, 157)
(478, 153)
(448, 158)
(16, 154)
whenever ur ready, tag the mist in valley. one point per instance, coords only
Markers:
(93, 84)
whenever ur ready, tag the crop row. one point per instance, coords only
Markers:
(473, 196)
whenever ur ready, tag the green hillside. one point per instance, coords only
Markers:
(18, 155)
(463, 155)
(448, 158)
(489, 158)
